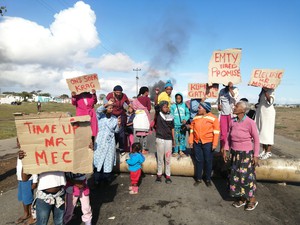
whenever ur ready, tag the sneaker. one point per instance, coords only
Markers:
(129, 188)
(158, 179)
(134, 191)
(261, 154)
(266, 156)
(208, 183)
(197, 182)
(181, 153)
(168, 180)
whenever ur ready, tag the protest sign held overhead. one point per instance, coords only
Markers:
(224, 66)
(84, 83)
(197, 90)
(269, 78)
(55, 142)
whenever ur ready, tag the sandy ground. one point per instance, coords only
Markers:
(176, 204)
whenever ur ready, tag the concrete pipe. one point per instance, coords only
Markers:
(273, 169)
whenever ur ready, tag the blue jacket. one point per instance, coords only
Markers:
(182, 109)
(135, 161)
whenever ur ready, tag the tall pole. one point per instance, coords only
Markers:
(137, 80)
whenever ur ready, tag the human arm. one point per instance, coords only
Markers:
(74, 98)
(269, 95)
(94, 96)
(216, 133)
(219, 101)
(148, 104)
(156, 96)
(191, 136)
(187, 115)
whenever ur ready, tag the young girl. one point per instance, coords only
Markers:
(134, 165)
(181, 115)
(164, 141)
(204, 137)
(77, 188)
(105, 145)
(129, 125)
(26, 185)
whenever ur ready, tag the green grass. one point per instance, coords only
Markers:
(7, 121)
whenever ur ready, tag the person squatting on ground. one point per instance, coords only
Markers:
(226, 100)
(129, 127)
(104, 148)
(243, 142)
(26, 184)
(134, 162)
(204, 137)
(164, 141)
(181, 115)
(77, 188)
(84, 103)
(265, 121)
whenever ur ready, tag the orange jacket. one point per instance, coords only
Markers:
(205, 129)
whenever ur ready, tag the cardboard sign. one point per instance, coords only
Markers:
(269, 78)
(224, 66)
(84, 83)
(197, 90)
(54, 142)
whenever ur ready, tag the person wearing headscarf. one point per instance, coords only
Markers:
(204, 137)
(265, 120)
(243, 143)
(119, 100)
(143, 97)
(165, 95)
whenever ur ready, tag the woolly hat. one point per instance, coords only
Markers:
(168, 84)
(118, 88)
(206, 106)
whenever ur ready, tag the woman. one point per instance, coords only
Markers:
(165, 95)
(105, 151)
(243, 140)
(84, 103)
(265, 121)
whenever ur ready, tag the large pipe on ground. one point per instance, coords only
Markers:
(272, 169)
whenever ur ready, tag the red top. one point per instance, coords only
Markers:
(145, 101)
(118, 108)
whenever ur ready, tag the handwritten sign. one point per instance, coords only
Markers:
(269, 78)
(54, 142)
(224, 66)
(84, 83)
(197, 90)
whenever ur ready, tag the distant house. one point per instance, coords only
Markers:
(41, 98)
(8, 99)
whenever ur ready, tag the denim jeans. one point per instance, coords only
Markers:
(43, 211)
(203, 156)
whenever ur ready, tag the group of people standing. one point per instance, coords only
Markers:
(115, 123)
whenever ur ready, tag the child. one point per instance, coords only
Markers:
(26, 185)
(164, 141)
(129, 125)
(77, 188)
(204, 137)
(105, 145)
(181, 115)
(134, 165)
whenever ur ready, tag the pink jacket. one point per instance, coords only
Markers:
(84, 103)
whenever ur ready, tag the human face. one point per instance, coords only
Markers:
(109, 109)
(130, 109)
(118, 93)
(201, 110)
(238, 109)
(169, 90)
(165, 108)
(178, 99)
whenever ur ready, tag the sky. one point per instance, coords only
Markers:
(43, 43)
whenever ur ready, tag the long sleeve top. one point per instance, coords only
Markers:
(205, 129)
(243, 136)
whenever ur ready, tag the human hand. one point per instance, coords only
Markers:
(191, 145)
(111, 101)
(219, 107)
(91, 145)
(119, 120)
(255, 161)
(183, 121)
(213, 148)
(156, 90)
(73, 93)
(224, 155)
(93, 91)
(21, 154)
(230, 85)
(33, 186)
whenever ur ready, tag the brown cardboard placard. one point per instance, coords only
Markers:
(84, 83)
(269, 78)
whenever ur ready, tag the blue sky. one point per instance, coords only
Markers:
(44, 42)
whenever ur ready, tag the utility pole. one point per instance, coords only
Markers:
(137, 80)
